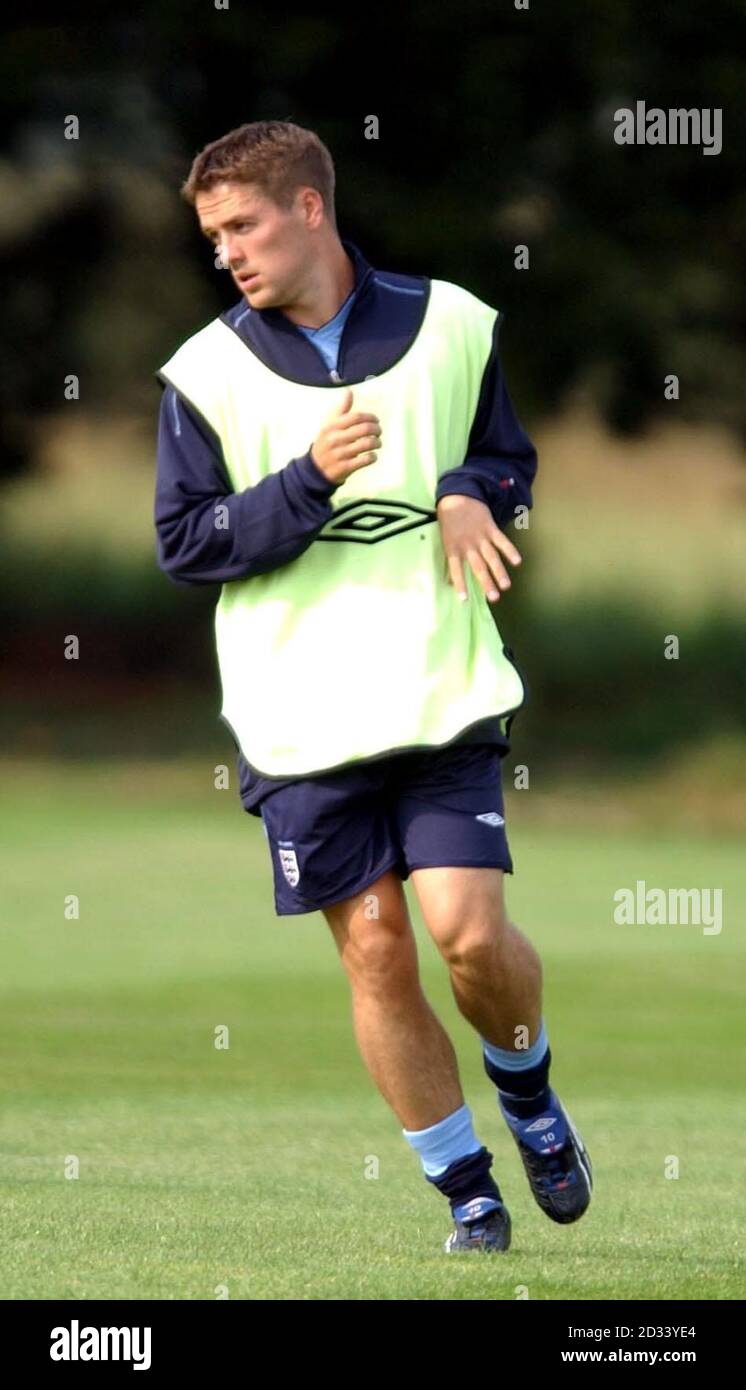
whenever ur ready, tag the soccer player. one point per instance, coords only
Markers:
(339, 451)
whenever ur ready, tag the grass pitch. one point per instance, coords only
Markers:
(242, 1171)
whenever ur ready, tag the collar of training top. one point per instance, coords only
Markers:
(386, 315)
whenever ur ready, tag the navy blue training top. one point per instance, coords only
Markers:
(274, 521)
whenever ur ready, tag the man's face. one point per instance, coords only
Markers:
(265, 249)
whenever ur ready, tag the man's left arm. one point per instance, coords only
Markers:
(484, 492)
(500, 463)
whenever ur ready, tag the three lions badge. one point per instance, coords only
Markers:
(289, 862)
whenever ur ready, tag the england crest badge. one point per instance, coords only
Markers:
(289, 862)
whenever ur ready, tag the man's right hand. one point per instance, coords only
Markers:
(346, 441)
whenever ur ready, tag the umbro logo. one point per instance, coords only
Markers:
(543, 1123)
(371, 519)
(490, 818)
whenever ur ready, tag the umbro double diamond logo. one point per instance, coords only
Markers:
(490, 818)
(372, 519)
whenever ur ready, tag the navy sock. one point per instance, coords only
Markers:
(467, 1178)
(523, 1093)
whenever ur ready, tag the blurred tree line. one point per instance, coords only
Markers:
(496, 129)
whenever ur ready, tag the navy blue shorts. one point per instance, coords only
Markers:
(333, 835)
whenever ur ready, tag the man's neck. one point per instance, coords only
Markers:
(333, 284)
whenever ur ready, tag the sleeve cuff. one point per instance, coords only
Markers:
(464, 487)
(313, 479)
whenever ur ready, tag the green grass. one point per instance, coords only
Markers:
(246, 1167)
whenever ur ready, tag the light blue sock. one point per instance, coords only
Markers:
(443, 1143)
(517, 1061)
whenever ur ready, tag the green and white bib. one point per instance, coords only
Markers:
(360, 646)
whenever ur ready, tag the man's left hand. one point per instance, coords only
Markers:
(469, 534)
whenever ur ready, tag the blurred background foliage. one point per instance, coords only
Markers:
(496, 128)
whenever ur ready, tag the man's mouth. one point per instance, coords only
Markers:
(245, 280)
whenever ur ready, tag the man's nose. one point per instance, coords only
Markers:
(230, 254)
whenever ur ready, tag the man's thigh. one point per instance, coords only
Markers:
(373, 933)
(450, 820)
(463, 908)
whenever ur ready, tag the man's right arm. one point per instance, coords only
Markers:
(209, 534)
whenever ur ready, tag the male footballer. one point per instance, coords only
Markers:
(340, 453)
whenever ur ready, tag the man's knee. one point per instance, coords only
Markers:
(374, 936)
(381, 958)
(464, 910)
(478, 945)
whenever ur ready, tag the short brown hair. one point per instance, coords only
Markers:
(278, 156)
